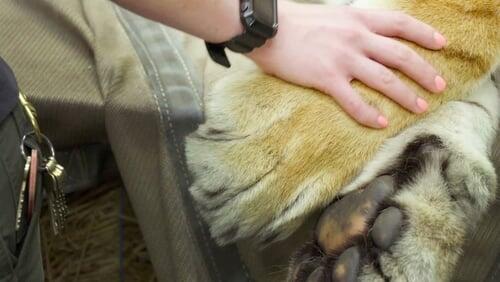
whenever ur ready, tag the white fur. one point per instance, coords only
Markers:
(460, 131)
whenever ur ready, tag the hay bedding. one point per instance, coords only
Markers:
(90, 249)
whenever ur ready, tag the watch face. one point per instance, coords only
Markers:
(266, 12)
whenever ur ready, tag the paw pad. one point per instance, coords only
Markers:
(350, 218)
(351, 232)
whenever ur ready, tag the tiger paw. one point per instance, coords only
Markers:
(349, 234)
(409, 226)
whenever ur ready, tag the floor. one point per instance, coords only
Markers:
(101, 240)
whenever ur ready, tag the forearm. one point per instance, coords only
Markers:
(212, 20)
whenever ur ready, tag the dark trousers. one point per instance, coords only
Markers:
(20, 252)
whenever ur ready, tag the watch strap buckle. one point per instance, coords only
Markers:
(218, 53)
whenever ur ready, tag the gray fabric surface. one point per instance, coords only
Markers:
(51, 48)
(178, 95)
(77, 65)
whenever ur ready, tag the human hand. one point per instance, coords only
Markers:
(325, 47)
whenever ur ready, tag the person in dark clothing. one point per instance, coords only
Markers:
(8, 90)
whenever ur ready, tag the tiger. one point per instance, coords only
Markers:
(271, 154)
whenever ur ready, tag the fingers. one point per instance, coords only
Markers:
(393, 54)
(398, 24)
(351, 102)
(384, 80)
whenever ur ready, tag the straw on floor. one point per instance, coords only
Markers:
(101, 241)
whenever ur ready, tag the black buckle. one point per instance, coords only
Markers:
(218, 54)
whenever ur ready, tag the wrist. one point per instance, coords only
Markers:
(261, 54)
(258, 23)
(231, 24)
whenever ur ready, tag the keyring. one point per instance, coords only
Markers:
(45, 140)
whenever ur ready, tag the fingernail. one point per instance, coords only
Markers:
(440, 40)
(382, 121)
(422, 105)
(440, 83)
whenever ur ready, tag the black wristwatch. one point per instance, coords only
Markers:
(260, 22)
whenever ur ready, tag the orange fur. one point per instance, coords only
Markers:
(266, 143)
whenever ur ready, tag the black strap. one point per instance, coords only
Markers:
(218, 54)
(243, 43)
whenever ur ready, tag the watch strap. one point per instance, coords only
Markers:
(246, 42)
(255, 33)
(243, 43)
(218, 53)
